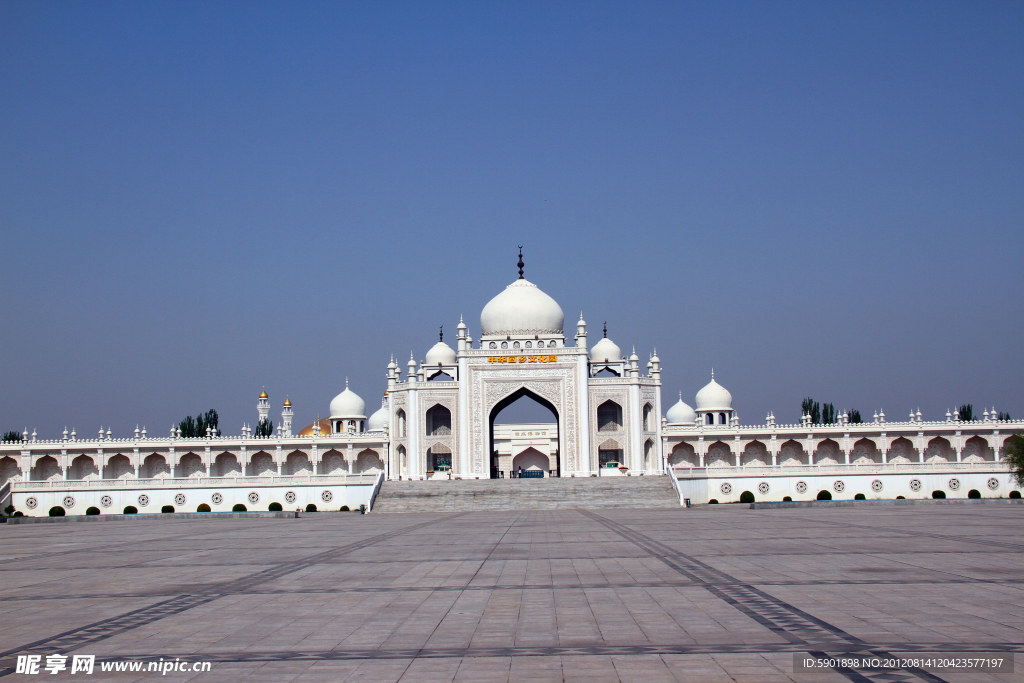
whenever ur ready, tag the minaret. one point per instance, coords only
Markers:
(286, 417)
(263, 405)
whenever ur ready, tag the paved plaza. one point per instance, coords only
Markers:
(721, 593)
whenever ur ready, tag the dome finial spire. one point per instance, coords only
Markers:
(346, 381)
(520, 264)
(442, 333)
(605, 329)
(712, 374)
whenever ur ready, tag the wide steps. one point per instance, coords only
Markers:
(526, 494)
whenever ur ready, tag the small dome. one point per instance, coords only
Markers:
(440, 354)
(287, 402)
(521, 310)
(714, 397)
(379, 420)
(605, 351)
(347, 404)
(263, 394)
(680, 414)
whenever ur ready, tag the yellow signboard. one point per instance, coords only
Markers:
(522, 359)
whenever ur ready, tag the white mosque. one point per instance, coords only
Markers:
(437, 423)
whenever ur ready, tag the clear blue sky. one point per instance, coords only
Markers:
(201, 199)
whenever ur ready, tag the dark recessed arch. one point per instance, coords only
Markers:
(505, 403)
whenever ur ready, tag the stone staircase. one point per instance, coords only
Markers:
(526, 494)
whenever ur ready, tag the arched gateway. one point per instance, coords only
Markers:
(522, 351)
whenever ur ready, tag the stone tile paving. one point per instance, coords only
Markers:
(703, 595)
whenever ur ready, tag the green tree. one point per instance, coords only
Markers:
(1013, 455)
(195, 428)
(264, 428)
(11, 437)
(966, 412)
(828, 414)
(1004, 417)
(811, 407)
(855, 418)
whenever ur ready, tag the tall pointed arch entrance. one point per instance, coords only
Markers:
(531, 458)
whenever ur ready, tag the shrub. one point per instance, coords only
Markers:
(1013, 494)
(9, 510)
(746, 497)
(238, 507)
(901, 497)
(824, 495)
(19, 513)
(93, 511)
(275, 507)
(787, 499)
(203, 507)
(860, 496)
(344, 508)
(713, 501)
(167, 508)
(57, 511)
(311, 508)
(974, 493)
(938, 494)
(130, 510)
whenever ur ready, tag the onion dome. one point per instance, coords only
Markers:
(440, 353)
(714, 396)
(325, 428)
(680, 414)
(521, 310)
(379, 420)
(348, 405)
(263, 394)
(605, 351)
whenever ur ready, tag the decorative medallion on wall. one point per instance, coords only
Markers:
(179, 499)
(106, 501)
(801, 487)
(915, 484)
(726, 488)
(143, 500)
(254, 497)
(216, 499)
(69, 501)
(954, 484)
(993, 483)
(876, 485)
(31, 503)
(763, 488)
(327, 496)
(839, 486)
(290, 497)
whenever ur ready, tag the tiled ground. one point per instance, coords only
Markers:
(712, 594)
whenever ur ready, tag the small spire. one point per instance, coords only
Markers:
(712, 374)
(346, 381)
(605, 329)
(520, 264)
(442, 332)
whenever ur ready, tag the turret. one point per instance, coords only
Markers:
(286, 417)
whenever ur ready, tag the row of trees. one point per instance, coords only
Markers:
(966, 413)
(825, 414)
(196, 428)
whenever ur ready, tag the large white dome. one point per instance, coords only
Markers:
(379, 420)
(714, 397)
(605, 351)
(440, 354)
(521, 310)
(348, 405)
(680, 414)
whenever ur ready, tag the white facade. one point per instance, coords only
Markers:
(437, 422)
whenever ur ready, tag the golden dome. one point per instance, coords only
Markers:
(287, 402)
(263, 394)
(325, 428)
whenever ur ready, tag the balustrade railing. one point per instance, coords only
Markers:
(873, 468)
(198, 482)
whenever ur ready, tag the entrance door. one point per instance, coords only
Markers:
(524, 407)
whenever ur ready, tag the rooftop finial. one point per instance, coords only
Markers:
(605, 329)
(521, 264)
(712, 374)
(442, 333)
(346, 382)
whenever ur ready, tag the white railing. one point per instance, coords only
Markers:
(873, 468)
(198, 482)
(675, 483)
(375, 491)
